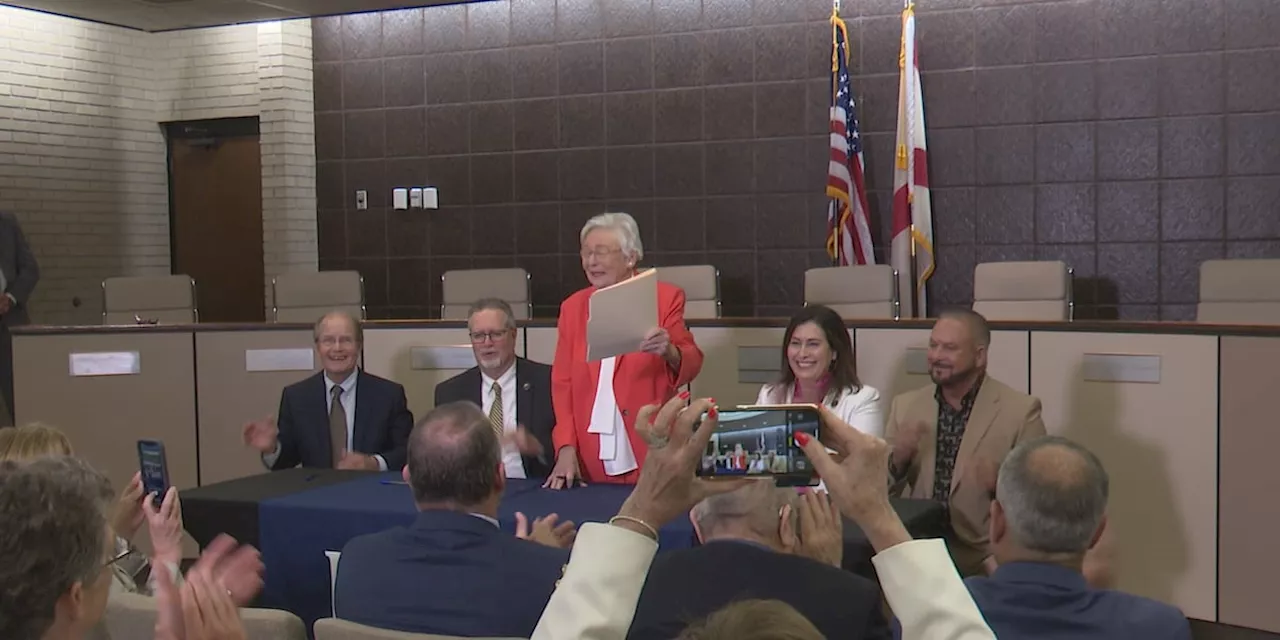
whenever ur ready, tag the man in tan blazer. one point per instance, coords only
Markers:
(950, 437)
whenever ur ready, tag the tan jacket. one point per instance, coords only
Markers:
(1001, 418)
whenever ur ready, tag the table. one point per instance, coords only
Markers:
(294, 516)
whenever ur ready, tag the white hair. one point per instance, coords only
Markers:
(1055, 507)
(624, 226)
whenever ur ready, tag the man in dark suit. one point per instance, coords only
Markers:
(19, 274)
(1050, 506)
(514, 392)
(453, 571)
(753, 549)
(339, 418)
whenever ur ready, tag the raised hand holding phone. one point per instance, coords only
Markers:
(155, 469)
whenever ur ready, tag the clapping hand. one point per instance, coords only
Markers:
(547, 531)
(821, 535)
(261, 435)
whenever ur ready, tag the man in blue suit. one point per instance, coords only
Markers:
(339, 418)
(1051, 500)
(453, 571)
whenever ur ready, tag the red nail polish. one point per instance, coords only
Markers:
(713, 413)
(684, 395)
(802, 438)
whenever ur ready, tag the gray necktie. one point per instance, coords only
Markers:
(337, 425)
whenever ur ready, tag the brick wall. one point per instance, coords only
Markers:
(84, 169)
(1133, 139)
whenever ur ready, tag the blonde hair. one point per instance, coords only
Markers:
(754, 620)
(33, 440)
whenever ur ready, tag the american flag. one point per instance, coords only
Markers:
(848, 230)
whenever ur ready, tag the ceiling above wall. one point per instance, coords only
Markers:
(167, 15)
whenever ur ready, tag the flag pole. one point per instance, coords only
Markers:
(833, 209)
(908, 67)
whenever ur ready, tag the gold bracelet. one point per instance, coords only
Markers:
(648, 527)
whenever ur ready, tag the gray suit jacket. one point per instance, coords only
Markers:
(21, 273)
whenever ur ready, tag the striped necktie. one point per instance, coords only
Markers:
(495, 411)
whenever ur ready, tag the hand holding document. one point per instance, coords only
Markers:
(620, 316)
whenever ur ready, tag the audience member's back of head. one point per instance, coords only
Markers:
(1053, 493)
(54, 543)
(754, 620)
(753, 511)
(34, 440)
(454, 457)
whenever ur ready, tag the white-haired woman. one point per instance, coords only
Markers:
(596, 403)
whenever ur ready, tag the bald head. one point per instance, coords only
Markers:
(1054, 495)
(979, 330)
(752, 510)
(454, 456)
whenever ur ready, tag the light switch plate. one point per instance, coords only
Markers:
(400, 198)
(362, 200)
(415, 198)
(430, 198)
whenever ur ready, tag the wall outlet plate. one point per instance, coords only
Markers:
(362, 200)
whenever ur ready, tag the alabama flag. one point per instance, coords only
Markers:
(912, 247)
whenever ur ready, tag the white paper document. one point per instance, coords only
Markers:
(619, 316)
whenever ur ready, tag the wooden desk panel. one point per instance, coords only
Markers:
(229, 396)
(1249, 513)
(1159, 444)
(719, 377)
(105, 416)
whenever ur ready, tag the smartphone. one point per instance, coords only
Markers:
(759, 441)
(155, 469)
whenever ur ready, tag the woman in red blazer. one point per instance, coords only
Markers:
(595, 436)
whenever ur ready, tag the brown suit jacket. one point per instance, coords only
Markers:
(1001, 418)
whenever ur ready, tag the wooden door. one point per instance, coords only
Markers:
(215, 189)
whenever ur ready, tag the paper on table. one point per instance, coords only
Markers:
(620, 315)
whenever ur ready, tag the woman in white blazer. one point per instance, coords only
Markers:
(818, 368)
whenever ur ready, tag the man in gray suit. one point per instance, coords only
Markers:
(18, 276)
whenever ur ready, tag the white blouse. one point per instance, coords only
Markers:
(860, 410)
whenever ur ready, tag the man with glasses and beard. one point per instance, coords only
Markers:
(949, 438)
(513, 392)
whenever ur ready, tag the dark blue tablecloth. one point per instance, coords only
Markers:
(295, 530)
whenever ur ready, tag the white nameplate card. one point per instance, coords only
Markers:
(279, 360)
(917, 361)
(757, 365)
(444, 357)
(1118, 367)
(106, 363)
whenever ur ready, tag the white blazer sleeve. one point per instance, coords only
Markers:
(863, 411)
(597, 597)
(926, 593)
(763, 397)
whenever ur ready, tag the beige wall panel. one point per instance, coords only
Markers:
(105, 416)
(389, 353)
(893, 361)
(540, 344)
(1249, 514)
(719, 378)
(229, 395)
(1158, 441)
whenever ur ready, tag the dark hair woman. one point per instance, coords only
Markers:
(818, 367)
